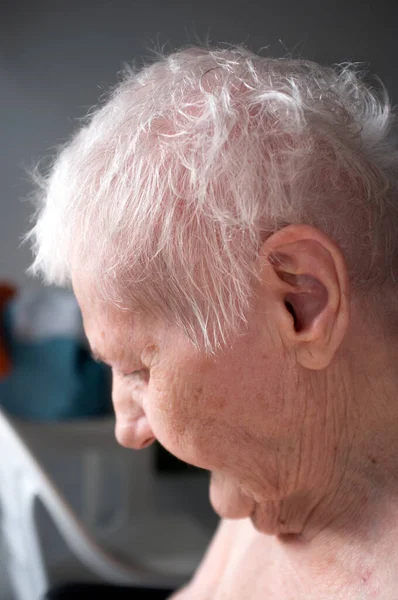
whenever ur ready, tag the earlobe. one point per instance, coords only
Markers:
(312, 293)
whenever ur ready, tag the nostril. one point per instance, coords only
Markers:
(147, 442)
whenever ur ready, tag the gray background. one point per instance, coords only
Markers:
(56, 58)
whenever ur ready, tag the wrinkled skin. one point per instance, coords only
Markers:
(284, 419)
(183, 398)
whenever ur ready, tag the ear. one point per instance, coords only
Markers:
(306, 275)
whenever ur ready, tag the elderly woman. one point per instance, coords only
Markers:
(229, 225)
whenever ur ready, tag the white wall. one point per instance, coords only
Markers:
(57, 56)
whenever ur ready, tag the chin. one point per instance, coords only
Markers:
(228, 500)
(265, 520)
(228, 511)
(268, 528)
(191, 458)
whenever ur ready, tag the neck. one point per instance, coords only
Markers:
(346, 531)
(333, 565)
(329, 495)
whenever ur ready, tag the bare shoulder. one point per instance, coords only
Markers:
(182, 594)
(229, 539)
(217, 555)
(212, 566)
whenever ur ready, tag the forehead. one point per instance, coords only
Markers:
(108, 328)
(92, 305)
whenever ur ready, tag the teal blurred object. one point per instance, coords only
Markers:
(53, 378)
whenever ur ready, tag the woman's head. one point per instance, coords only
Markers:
(219, 217)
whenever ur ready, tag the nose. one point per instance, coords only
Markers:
(134, 433)
(132, 428)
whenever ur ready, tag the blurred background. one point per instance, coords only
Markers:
(56, 59)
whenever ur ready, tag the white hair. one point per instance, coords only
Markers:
(166, 193)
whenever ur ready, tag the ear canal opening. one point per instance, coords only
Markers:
(290, 309)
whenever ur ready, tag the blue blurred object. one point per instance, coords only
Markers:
(53, 376)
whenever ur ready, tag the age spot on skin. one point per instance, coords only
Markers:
(366, 575)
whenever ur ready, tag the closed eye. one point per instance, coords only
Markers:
(140, 374)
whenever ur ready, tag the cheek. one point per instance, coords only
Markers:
(203, 415)
(210, 413)
(181, 412)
